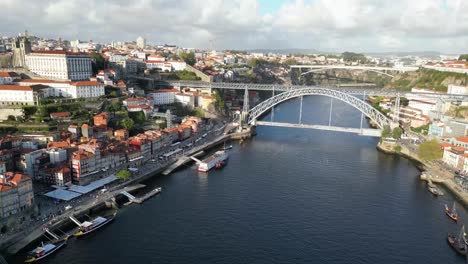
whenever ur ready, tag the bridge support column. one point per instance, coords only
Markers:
(245, 109)
(300, 112)
(273, 107)
(331, 109)
(396, 110)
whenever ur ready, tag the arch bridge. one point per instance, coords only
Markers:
(376, 69)
(250, 116)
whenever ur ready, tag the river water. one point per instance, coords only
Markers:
(286, 196)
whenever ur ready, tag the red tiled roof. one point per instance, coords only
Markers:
(86, 83)
(60, 114)
(8, 74)
(7, 87)
(462, 139)
(64, 52)
(166, 91)
(41, 81)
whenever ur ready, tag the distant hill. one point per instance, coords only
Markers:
(286, 51)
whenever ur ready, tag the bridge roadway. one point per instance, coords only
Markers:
(346, 67)
(364, 132)
(282, 88)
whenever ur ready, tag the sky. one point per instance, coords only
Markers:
(323, 25)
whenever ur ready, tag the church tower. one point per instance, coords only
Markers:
(21, 47)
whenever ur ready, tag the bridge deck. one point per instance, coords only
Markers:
(364, 132)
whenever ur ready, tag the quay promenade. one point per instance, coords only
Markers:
(148, 170)
(436, 172)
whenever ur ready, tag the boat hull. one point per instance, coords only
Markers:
(34, 259)
(452, 241)
(84, 233)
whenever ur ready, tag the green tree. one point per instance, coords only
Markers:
(430, 150)
(188, 57)
(127, 123)
(114, 107)
(123, 174)
(254, 62)
(219, 102)
(291, 61)
(354, 57)
(386, 132)
(396, 133)
(98, 62)
(463, 57)
(138, 117)
(198, 112)
(397, 148)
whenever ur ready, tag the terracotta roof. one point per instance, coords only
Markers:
(41, 81)
(166, 91)
(462, 139)
(64, 52)
(57, 144)
(60, 114)
(458, 148)
(7, 87)
(8, 74)
(86, 83)
(444, 144)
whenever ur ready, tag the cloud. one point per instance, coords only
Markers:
(362, 25)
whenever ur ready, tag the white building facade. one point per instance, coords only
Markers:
(60, 65)
(82, 89)
(162, 97)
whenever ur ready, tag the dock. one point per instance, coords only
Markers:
(181, 161)
(140, 200)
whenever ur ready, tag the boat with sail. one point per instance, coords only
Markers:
(458, 243)
(451, 212)
(90, 226)
(46, 249)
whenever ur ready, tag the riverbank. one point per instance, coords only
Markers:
(429, 171)
(101, 203)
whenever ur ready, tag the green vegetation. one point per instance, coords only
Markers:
(430, 150)
(254, 62)
(291, 61)
(188, 57)
(137, 117)
(114, 107)
(354, 57)
(98, 62)
(397, 132)
(397, 148)
(198, 112)
(429, 79)
(422, 129)
(386, 132)
(460, 110)
(219, 103)
(375, 103)
(463, 57)
(184, 75)
(123, 174)
(127, 123)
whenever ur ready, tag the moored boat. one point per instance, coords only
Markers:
(89, 226)
(458, 243)
(452, 213)
(434, 190)
(218, 157)
(44, 250)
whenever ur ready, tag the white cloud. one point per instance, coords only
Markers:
(363, 25)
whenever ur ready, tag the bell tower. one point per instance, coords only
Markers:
(21, 47)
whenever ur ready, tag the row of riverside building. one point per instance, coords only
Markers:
(79, 157)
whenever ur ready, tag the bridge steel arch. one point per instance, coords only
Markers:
(329, 68)
(380, 119)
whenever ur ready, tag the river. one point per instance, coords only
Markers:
(286, 196)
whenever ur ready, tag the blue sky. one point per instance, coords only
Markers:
(270, 6)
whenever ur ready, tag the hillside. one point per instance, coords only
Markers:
(427, 79)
